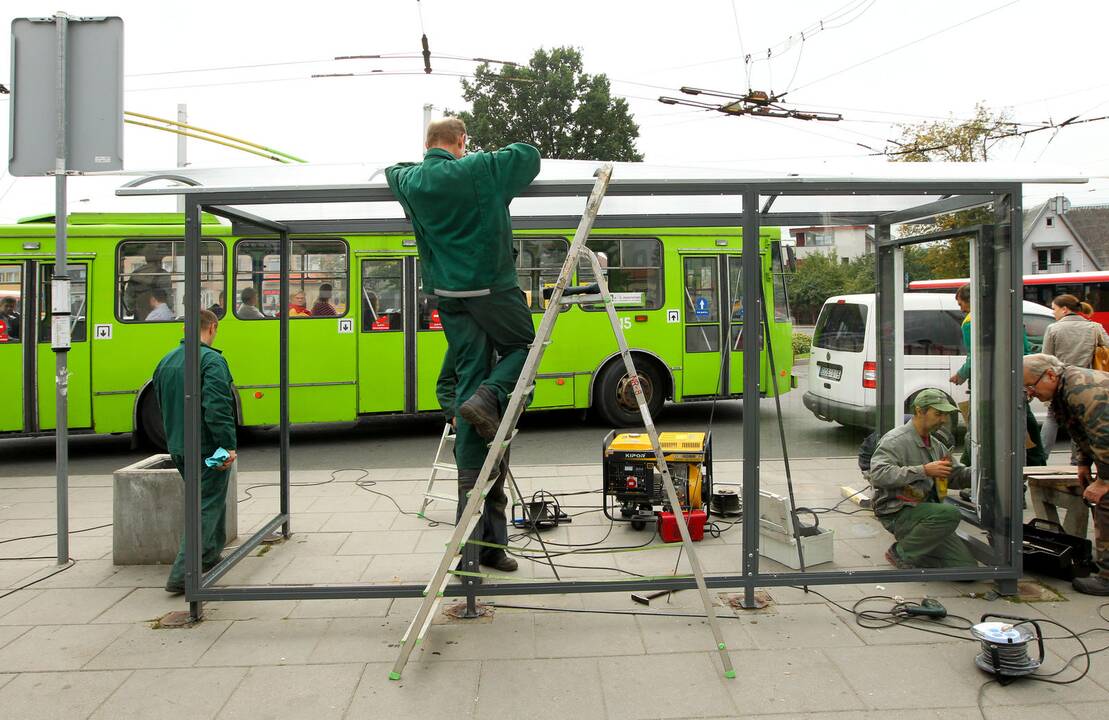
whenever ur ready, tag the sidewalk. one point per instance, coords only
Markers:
(80, 644)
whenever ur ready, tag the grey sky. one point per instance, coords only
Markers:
(1042, 60)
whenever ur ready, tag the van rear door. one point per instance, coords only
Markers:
(839, 351)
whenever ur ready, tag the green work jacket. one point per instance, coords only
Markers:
(217, 401)
(459, 210)
(897, 470)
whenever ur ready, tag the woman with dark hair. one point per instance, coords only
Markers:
(1072, 338)
(323, 306)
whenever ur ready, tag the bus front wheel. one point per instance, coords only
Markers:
(150, 420)
(615, 398)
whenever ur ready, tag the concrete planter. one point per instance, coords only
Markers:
(148, 511)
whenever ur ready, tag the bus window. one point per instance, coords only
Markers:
(634, 265)
(538, 262)
(383, 295)
(702, 317)
(11, 321)
(781, 299)
(150, 279)
(78, 327)
(318, 278)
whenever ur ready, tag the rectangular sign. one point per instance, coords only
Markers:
(93, 98)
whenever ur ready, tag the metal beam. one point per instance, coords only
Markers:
(939, 207)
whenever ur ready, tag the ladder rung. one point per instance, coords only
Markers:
(445, 498)
(528, 390)
(445, 466)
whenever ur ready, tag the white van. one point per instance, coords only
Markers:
(843, 363)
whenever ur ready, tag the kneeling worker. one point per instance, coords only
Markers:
(910, 473)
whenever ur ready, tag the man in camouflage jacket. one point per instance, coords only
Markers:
(1079, 399)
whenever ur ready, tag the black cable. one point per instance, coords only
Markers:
(70, 564)
(591, 611)
(46, 535)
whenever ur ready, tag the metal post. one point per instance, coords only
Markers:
(752, 329)
(427, 121)
(889, 306)
(1010, 216)
(182, 148)
(61, 433)
(192, 406)
(283, 370)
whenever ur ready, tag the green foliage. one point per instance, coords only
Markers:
(820, 276)
(552, 105)
(802, 344)
(950, 141)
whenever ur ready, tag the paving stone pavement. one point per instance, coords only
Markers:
(82, 643)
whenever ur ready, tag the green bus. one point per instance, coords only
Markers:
(366, 340)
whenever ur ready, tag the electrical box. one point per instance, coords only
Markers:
(778, 540)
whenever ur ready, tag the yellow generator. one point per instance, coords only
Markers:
(633, 483)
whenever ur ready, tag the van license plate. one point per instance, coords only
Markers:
(831, 372)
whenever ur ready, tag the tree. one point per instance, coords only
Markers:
(950, 141)
(552, 105)
(819, 276)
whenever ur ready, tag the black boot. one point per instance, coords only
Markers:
(499, 560)
(483, 412)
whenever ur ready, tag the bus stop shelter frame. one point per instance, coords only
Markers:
(995, 273)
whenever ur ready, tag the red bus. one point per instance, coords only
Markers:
(1091, 287)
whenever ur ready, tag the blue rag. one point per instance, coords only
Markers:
(219, 457)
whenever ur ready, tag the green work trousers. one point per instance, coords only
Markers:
(926, 536)
(213, 519)
(476, 328)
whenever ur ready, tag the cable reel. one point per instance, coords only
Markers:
(1005, 647)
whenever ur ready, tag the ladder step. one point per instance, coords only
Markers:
(445, 466)
(444, 498)
(527, 391)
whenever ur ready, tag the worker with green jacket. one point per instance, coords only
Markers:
(910, 472)
(458, 206)
(217, 431)
(1034, 451)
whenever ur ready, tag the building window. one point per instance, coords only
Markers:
(318, 279)
(1050, 222)
(150, 279)
(1056, 256)
(819, 239)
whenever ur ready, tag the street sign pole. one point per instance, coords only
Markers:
(60, 310)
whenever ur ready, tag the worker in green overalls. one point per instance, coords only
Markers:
(217, 430)
(458, 205)
(1034, 451)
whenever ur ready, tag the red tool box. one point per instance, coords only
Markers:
(668, 525)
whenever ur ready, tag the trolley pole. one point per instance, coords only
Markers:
(60, 304)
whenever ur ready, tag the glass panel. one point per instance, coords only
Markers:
(11, 303)
(702, 338)
(318, 278)
(538, 262)
(634, 265)
(701, 293)
(781, 299)
(151, 280)
(78, 308)
(383, 295)
(429, 305)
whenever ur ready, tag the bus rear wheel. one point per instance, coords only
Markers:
(150, 420)
(615, 398)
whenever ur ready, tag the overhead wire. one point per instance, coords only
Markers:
(907, 45)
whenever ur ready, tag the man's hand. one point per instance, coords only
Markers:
(1084, 475)
(938, 468)
(230, 461)
(1096, 491)
(955, 379)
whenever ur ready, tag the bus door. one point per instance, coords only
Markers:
(386, 336)
(706, 314)
(15, 414)
(735, 321)
(78, 363)
(28, 401)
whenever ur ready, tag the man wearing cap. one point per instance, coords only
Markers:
(910, 473)
(1079, 400)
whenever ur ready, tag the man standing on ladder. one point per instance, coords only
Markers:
(458, 205)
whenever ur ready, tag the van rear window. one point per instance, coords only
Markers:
(934, 332)
(841, 326)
